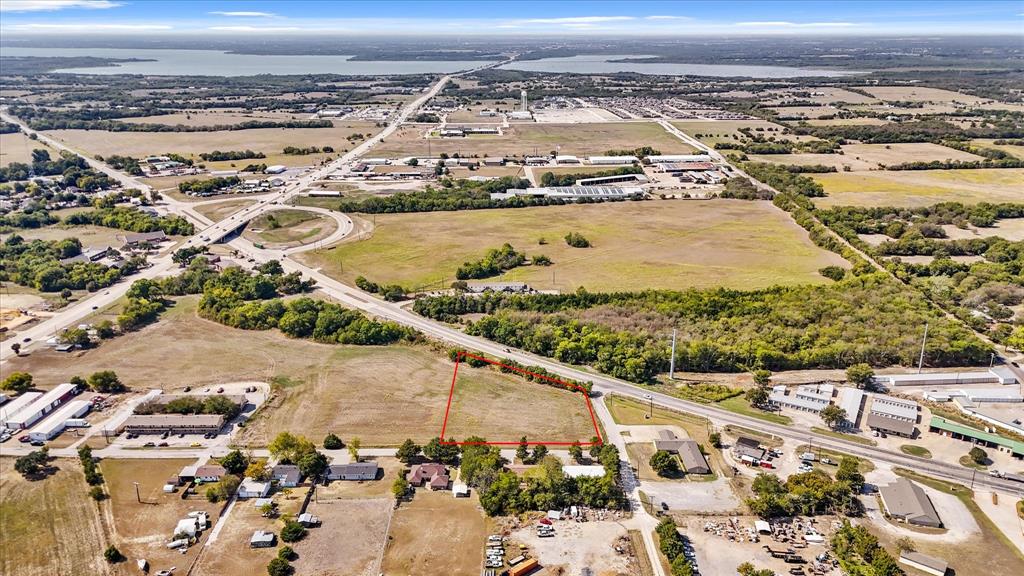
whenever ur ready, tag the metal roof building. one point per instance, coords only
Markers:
(42, 406)
(612, 160)
(940, 425)
(997, 375)
(851, 400)
(572, 192)
(924, 563)
(12, 408)
(56, 423)
(896, 408)
(670, 158)
(908, 502)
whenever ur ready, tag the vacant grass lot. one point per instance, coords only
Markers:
(635, 245)
(267, 140)
(91, 236)
(492, 405)
(435, 534)
(711, 131)
(890, 154)
(50, 526)
(17, 147)
(921, 187)
(532, 139)
(219, 210)
(1017, 151)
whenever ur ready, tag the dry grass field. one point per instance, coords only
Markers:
(531, 139)
(806, 111)
(349, 390)
(420, 544)
(349, 540)
(837, 160)
(293, 228)
(889, 154)
(712, 131)
(1017, 151)
(921, 188)
(848, 122)
(50, 526)
(141, 530)
(390, 468)
(918, 94)
(267, 140)
(493, 406)
(635, 245)
(91, 236)
(212, 117)
(17, 147)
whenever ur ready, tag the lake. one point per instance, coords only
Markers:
(599, 64)
(217, 63)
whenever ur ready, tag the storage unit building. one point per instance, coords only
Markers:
(42, 406)
(55, 424)
(12, 408)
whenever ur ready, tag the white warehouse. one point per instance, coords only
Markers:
(42, 406)
(56, 423)
(12, 408)
(612, 160)
(674, 158)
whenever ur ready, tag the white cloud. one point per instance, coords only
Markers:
(659, 17)
(255, 28)
(90, 27)
(245, 14)
(578, 20)
(780, 24)
(52, 5)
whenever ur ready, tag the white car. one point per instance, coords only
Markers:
(806, 468)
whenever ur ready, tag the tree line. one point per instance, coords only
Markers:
(552, 179)
(37, 264)
(217, 155)
(209, 185)
(494, 262)
(132, 219)
(72, 169)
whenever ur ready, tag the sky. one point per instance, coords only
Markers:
(527, 17)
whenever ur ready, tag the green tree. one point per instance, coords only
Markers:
(97, 493)
(257, 470)
(290, 447)
(105, 381)
(716, 439)
(443, 453)
(17, 382)
(32, 463)
(681, 566)
(279, 567)
(664, 464)
(576, 452)
(833, 415)
(286, 553)
(353, 448)
(234, 462)
(400, 487)
(757, 396)
(332, 442)
(292, 531)
(1016, 338)
(104, 329)
(523, 451)
(762, 377)
(76, 337)
(861, 375)
(978, 456)
(112, 555)
(313, 464)
(408, 451)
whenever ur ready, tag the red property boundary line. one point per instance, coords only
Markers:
(567, 385)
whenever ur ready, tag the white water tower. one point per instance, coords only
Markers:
(522, 96)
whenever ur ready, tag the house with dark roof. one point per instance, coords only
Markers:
(353, 471)
(688, 451)
(286, 475)
(748, 447)
(434, 475)
(908, 502)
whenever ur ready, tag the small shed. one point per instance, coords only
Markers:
(460, 490)
(308, 520)
(262, 539)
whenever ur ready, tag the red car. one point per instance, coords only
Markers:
(23, 439)
(545, 521)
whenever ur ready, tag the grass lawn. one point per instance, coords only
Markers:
(290, 227)
(740, 405)
(50, 526)
(496, 407)
(16, 147)
(91, 236)
(914, 450)
(1014, 150)
(864, 466)
(967, 462)
(982, 555)
(844, 436)
(913, 188)
(635, 245)
(418, 543)
(534, 139)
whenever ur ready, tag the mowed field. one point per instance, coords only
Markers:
(712, 131)
(219, 210)
(635, 245)
(436, 534)
(890, 154)
(17, 147)
(91, 236)
(490, 405)
(921, 188)
(531, 139)
(290, 228)
(50, 526)
(270, 141)
(349, 390)
(349, 540)
(1017, 151)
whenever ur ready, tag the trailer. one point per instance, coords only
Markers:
(524, 568)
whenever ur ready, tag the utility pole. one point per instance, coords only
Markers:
(137, 496)
(672, 359)
(920, 361)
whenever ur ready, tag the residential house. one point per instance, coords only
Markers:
(908, 502)
(250, 488)
(210, 473)
(353, 471)
(286, 475)
(434, 475)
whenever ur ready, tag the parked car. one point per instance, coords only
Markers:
(23, 439)
(149, 445)
(828, 461)
(38, 443)
(163, 444)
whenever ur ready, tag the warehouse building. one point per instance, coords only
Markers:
(997, 375)
(892, 415)
(677, 167)
(671, 158)
(55, 424)
(609, 180)
(940, 425)
(1004, 394)
(573, 193)
(907, 502)
(808, 398)
(42, 406)
(924, 563)
(12, 408)
(612, 160)
(851, 400)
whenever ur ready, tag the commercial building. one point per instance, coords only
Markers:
(612, 160)
(275, 169)
(573, 193)
(749, 447)
(566, 159)
(41, 406)
(907, 502)
(174, 423)
(808, 398)
(688, 451)
(851, 400)
(56, 423)
(924, 563)
(677, 158)
(676, 167)
(892, 415)
(353, 471)
(607, 180)
(134, 239)
(940, 425)
(1002, 394)
(997, 375)
(12, 408)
